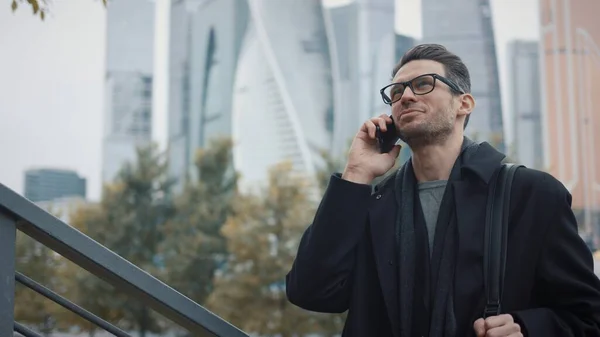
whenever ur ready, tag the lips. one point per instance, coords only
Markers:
(407, 111)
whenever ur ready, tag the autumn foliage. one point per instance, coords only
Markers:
(227, 250)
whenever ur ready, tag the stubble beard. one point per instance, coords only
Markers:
(433, 132)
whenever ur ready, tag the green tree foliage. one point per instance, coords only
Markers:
(262, 235)
(85, 289)
(35, 261)
(130, 221)
(176, 237)
(194, 246)
(248, 241)
(330, 165)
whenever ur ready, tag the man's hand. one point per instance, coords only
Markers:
(497, 326)
(365, 163)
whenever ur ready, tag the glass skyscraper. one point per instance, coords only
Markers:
(129, 76)
(205, 42)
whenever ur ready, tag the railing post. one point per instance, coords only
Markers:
(8, 238)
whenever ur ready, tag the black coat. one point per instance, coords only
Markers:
(346, 259)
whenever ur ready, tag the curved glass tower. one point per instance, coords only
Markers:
(361, 41)
(205, 40)
(282, 102)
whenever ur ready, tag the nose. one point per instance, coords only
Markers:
(407, 97)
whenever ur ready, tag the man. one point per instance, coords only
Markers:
(407, 259)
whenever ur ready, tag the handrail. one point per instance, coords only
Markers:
(79, 311)
(115, 270)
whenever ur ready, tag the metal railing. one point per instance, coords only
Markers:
(18, 213)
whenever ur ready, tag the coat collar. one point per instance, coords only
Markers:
(480, 159)
(483, 161)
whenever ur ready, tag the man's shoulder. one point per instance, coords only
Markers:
(530, 181)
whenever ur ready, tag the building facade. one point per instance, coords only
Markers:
(205, 42)
(128, 83)
(570, 77)
(361, 41)
(465, 28)
(51, 184)
(282, 104)
(403, 44)
(525, 103)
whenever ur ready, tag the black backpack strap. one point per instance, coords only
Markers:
(496, 232)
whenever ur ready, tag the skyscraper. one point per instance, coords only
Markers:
(50, 184)
(362, 44)
(205, 42)
(570, 71)
(283, 89)
(525, 106)
(129, 69)
(403, 44)
(465, 28)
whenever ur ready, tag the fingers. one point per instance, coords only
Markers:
(479, 327)
(497, 321)
(504, 331)
(395, 152)
(497, 326)
(370, 126)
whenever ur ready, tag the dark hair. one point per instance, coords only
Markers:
(455, 69)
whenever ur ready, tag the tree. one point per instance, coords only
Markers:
(129, 221)
(39, 7)
(87, 290)
(194, 246)
(262, 235)
(331, 165)
(37, 262)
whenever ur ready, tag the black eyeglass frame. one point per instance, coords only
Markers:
(408, 84)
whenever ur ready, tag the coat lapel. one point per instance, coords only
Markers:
(382, 217)
(470, 194)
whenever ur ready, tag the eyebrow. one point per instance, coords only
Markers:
(406, 80)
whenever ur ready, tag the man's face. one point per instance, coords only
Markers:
(429, 118)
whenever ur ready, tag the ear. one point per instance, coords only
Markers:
(466, 105)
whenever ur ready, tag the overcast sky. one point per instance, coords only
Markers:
(51, 81)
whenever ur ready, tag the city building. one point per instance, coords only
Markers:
(525, 104)
(570, 78)
(465, 28)
(220, 51)
(282, 96)
(205, 42)
(361, 41)
(403, 44)
(47, 184)
(128, 83)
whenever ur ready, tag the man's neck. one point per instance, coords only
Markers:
(434, 162)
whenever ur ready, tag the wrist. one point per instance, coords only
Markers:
(356, 176)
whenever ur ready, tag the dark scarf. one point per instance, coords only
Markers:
(438, 292)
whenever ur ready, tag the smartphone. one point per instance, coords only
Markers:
(386, 140)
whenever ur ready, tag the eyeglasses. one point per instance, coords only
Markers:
(419, 85)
